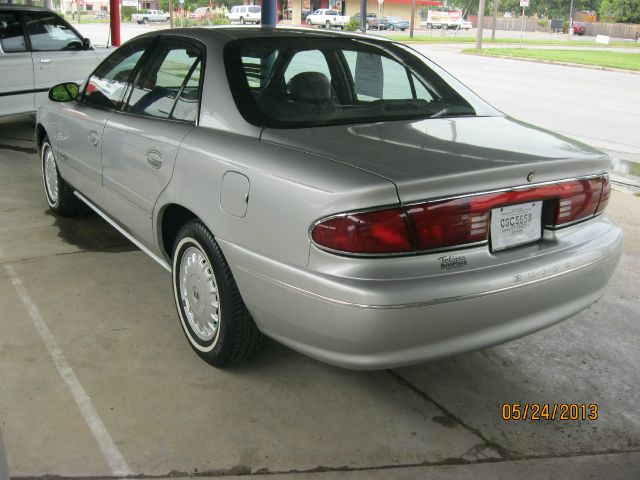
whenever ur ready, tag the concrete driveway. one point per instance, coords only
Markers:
(96, 379)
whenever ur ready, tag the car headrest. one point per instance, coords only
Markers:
(310, 87)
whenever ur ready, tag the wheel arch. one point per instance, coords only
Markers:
(170, 220)
(41, 134)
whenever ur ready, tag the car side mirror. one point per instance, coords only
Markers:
(86, 44)
(64, 92)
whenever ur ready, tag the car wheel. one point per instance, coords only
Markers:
(139, 22)
(402, 29)
(391, 27)
(59, 193)
(214, 318)
(145, 20)
(327, 25)
(242, 21)
(429, 26)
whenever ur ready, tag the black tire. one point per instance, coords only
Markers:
(242, 22)
(139, 22)
(327, 25)
(236, 337)
(145, 20)
(63, 202)
(391, 27)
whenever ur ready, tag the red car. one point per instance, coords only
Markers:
(579, 28)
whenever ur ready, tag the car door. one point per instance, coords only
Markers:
(141, 142)
(57, 52)
(81, 123)
(16, 88)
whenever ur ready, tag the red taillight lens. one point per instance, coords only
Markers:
(456, 222)
(449, 223)
(577, 200)
(383, 231)
(606, 194)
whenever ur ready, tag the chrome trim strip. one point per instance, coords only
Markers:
(404, 206)
(129, 237)
(437, 301)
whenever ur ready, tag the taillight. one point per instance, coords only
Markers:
(381, 231)
(456, 222)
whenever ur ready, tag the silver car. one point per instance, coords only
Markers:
(340, 194)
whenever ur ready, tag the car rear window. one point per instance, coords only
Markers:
(254, 9)
(296, 82)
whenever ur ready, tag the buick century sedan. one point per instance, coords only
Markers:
(340, 194)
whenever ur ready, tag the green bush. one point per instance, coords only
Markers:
(126, 12)
(220, 21)
(353, 25)
(543, 22)
(565, 26)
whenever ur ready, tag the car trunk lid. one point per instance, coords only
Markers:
(448, 156)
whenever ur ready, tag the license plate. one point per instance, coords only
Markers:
(516, 225)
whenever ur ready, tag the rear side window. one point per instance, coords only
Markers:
(168, 84)
(254, 9)
(48, 32)
(11, 34)
(107, 85)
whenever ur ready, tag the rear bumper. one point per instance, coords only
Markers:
(375, 323)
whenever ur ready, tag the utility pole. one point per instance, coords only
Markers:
(363, 16)
(171, 13)
(571, 19)
(413, 17)
(495, 18)
(480, 25)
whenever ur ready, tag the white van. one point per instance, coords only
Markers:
(245, 14)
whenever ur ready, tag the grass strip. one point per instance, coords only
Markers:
(624, 60)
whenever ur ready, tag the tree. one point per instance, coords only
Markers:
(625, 11)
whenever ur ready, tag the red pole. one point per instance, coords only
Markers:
(114, 9)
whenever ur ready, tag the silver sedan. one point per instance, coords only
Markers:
(341, 194)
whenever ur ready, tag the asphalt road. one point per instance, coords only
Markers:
(598, 107)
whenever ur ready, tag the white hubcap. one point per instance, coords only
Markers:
(50, 174)
(199, 294)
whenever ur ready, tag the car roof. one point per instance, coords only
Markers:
(223, 34)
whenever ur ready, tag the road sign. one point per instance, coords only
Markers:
(524, 3)
(181, 2)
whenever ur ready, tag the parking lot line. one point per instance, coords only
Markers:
(106, 444)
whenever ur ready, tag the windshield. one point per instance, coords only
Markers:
(297, 82)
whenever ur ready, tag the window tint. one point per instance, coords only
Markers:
(254, 9)
(106, 86)
(280, 83)
(377, 77)
(171, 75)
(11, 34)
(307, 61)
(48, 32)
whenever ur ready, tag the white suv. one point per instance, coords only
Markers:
(39, 49)
(245, 14)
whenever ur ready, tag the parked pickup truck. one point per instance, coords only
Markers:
(327, 18)
(150, 16)
(373, 22)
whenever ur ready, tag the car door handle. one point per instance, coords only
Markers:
(94, 138)
(154, 158)
(45, 60)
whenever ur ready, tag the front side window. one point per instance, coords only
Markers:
(290, 83)
(107, 84)
(168, 84)
(11, 34)
(48, 32)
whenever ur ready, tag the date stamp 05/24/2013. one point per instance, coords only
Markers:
(549, 411)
